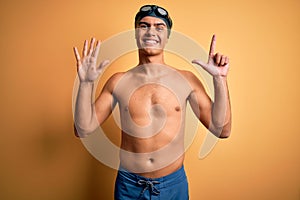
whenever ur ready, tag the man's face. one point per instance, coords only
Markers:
(151, 35)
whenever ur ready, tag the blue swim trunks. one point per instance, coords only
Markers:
(130, 186)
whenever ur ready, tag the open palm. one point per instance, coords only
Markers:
(87, 69)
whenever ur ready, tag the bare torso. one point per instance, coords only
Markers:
(152, 101)
(152, 106)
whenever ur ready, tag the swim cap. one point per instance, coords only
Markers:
(154, 11)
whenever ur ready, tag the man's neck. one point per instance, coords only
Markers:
(151, 59)
(152, 65)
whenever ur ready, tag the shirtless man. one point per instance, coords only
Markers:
(152, 100)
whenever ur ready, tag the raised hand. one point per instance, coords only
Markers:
(86, 65)
(217, 64)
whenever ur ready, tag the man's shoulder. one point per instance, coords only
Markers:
(117, 77)
(191, 78)
(186, 74)
(114, 79)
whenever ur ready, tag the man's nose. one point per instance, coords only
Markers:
(151, 31)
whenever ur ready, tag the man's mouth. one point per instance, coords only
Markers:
(150, 42)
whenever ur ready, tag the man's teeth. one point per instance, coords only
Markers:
(151, 42)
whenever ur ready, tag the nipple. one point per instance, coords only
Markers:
(177, 108)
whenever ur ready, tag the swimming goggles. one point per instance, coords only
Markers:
(155, 11)
(158, 10)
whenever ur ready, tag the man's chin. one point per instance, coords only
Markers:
(151, 51)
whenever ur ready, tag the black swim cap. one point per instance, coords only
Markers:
(154, 11)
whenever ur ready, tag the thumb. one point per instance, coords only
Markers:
(199, 62)
(103, 65)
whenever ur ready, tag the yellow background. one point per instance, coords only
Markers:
(41, 158)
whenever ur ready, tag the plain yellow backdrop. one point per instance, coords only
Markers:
(42, 159)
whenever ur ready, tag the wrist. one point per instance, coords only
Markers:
(219, 82)
(220, 78)
(86, 84)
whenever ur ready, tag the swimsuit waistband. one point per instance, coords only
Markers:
(161, 182)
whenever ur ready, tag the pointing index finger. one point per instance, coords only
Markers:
(212, 46)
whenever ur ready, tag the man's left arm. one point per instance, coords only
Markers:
(221, 110)
(216, 116)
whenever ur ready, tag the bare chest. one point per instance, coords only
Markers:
(143, 98)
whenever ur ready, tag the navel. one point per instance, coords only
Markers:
(177, 108)
(126, 108)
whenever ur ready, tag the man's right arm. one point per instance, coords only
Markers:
(85, 114)
(89, 115)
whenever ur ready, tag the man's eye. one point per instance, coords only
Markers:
(143, 27)
(160, 28)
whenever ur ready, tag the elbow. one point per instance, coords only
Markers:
(81, 133)
(226, 131)
(222, 132)
(225, 134)
(83, 129)
(224, 128)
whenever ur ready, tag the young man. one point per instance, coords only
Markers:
(152, 100)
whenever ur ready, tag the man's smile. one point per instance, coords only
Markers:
(150, 42)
